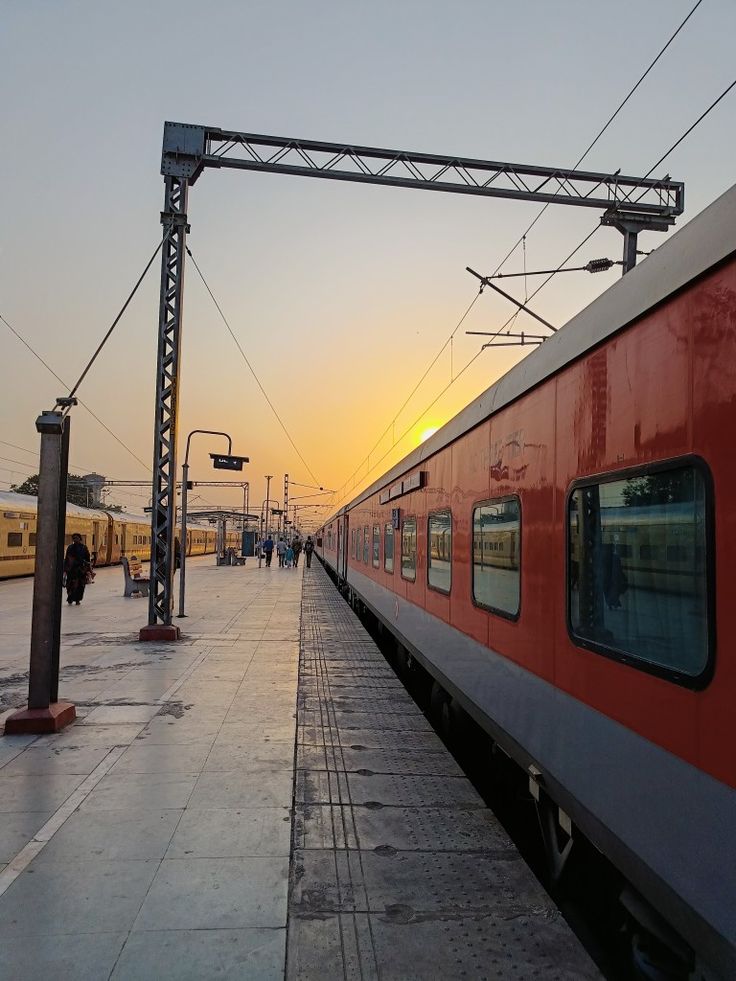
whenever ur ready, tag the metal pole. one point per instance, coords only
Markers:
(45, 713)
(630, 240)
(268, 497)
(183, 547)
(163, 515)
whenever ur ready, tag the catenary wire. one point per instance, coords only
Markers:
(250, 367)
(577, 248)
(522, 238)
(605, 126)
(83, 404)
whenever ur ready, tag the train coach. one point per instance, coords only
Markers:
(108, 535)
(558, 559)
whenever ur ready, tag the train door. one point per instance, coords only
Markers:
(342, 548)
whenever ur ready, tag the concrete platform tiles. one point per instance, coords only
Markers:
(168, 834)
(398, 870)
(151, 839)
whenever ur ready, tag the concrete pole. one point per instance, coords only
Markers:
(183, 547)
(45, 713)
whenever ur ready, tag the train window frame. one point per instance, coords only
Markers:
(691, 682)
(376, 547)
(433, 514)
(366, 545)
(388, 526)
(407, 520)
(14, 535)
(496, 610)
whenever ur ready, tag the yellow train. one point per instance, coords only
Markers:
(106, 535)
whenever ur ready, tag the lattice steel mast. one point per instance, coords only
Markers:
(629, 203)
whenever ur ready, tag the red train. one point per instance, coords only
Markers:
(558, 558)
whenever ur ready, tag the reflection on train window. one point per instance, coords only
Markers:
(376, 547)
(497, 556)
(15, 539)
(439, 561)
(388, 548)
(365, 545)
(352, 543)
(638, 574)
(409, 549)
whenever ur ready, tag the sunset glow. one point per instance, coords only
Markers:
(427, 433)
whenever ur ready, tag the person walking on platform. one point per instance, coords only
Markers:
(281, 551)
(268, 550)
(297, 546)
(308, 549)
(77, 564)
(289, 556)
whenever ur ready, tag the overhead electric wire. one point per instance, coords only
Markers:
(83, 404)
(522, 238)
(25, 449)
(251, 368)
(541, 286)
(687, 132)
(608, 122)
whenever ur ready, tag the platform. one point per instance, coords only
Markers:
(172, 833)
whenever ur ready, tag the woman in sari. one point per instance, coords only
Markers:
(76, 566)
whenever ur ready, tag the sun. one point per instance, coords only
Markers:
(427, 433)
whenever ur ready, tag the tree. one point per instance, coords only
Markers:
(668, 487)
(77, 490)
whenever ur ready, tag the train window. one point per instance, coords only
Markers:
(352, 542)
(497, 556)
(388, 548)
(15, 539)
(646, 604)
(439, 556)
(376, 547)
(409, 549)
(32, 538)
(365, 545)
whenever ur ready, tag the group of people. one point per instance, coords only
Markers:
(78, 564)
(288, 552)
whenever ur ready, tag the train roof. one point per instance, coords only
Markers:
(10, 501)
(705, 242)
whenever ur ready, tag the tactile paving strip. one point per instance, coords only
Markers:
(398, 870)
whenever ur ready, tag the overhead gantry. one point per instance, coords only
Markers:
(630, 204)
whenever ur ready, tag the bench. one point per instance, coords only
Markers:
(232, 557)
(135, 582)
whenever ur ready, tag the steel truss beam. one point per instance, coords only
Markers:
(187, 150)
(631, 204)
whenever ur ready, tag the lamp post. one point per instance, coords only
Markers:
(219, 462)
(261, 530)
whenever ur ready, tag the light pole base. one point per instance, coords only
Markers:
(40, 721)
(159, 631)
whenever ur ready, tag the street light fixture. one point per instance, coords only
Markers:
(223, 461)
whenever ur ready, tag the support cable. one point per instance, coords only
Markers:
(115, 322)
(62, 382)
(250, 366)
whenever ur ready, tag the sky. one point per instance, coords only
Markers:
(340, 294)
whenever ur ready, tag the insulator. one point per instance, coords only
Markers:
(599, 265)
